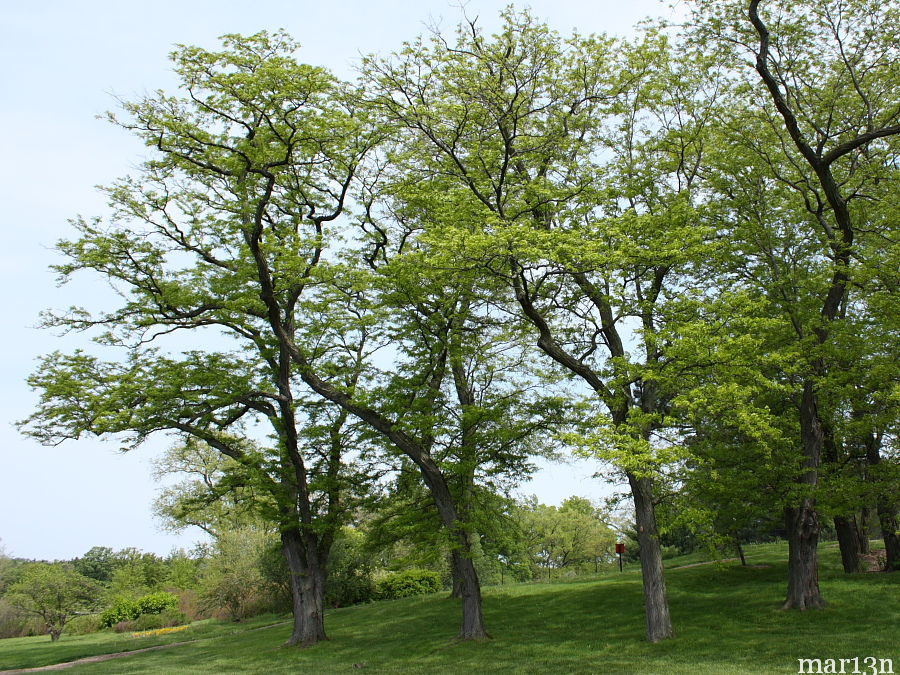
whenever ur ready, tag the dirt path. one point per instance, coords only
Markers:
(97, 659)
(117, 655)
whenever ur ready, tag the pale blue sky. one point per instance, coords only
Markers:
(62, 63)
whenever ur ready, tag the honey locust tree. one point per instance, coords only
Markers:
(250, 162)
(574, 165)
(815, 123)
(461, 380)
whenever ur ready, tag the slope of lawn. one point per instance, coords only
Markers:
(727, 620)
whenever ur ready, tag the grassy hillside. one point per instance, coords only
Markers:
(727, 620)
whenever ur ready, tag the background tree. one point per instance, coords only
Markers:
(53, 592)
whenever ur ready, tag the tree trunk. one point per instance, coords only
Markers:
(740, 551)
(890, 531)
(54, 634)
(803, 520)
(803, 563)
(659, 623)
(886, 505)
(470, 588)
(461, 558)
(456, 590)
(848, 541)
(862, 529)
(308, 575)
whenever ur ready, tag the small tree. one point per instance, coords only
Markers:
(55, 593)
(233, 577)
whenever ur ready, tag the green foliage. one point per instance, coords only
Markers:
(164, 619)
(129, 609)
(154, 603)
(233, 579)
(350, 580)
(85, 625)
(99, 563)
(570, 537)
(407, 583)
(121, 609)
(53, 592)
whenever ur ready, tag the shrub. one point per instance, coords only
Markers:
(84, 625)
(165, 619)
(126, 609)
(406, 583)
(349, 579)
(349, 587)
(154, 603)
(122, 609)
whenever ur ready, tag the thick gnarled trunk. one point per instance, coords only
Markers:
(656, 604)
(307, 571)
(803, 561)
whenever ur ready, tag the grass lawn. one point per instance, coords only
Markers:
(726, 617)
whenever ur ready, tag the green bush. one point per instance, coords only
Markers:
(165, 619)
(126, 609)
(349, 580)
(406, 583)
(122, 609)
(84, 625)
(348, 588)
(154, 603)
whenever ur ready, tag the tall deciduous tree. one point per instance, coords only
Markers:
(223, 229)
(823, 104)
(514, 132)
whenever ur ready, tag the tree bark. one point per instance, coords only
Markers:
(461, 557)
(890, 531)
(656, 604)
(803, 520)
(862, 529)
(470, 588)
(886, 506)
(308, 573)
(803, 563)
(848, 541)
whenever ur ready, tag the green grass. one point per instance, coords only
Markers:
(727, 620)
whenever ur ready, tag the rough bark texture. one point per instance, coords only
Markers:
(848, 541)
(803, 562)
(470, 588)
(659, 623)
(803, 520)
(307, 589)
